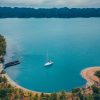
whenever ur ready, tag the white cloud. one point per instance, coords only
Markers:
(51, 3)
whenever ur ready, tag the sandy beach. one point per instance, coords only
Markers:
(88, 75)
(14, 84)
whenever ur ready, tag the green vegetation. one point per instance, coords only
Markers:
(63, 95)
(54, 96)
(2, 48)
(2, 45)
(16, 12)
(96, 92)
(36, 97)
(97, 73)
(90, 93)
(8, 92)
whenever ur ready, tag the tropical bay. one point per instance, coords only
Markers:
(72, 44)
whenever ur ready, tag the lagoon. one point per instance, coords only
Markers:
(72, 44)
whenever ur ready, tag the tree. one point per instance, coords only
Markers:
(8, 12)
(95, 89)
(97, 73)
(30, 95)
(77, 93)
(89, 97)
(47, 97)
(36, 97)
(54, 96)
(2, 47)
(17, 97)
(4, 79)
(1, 80)
(63, 95)
(96, 96)
(96, 92)
(4, 92)
(42, 96)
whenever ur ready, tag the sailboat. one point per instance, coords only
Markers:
(49, 62)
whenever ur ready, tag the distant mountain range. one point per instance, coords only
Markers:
(8, 12)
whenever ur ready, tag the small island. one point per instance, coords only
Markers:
(9, 90)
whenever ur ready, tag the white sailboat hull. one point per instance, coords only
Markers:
(48, 63)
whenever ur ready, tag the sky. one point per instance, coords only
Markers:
(51, 3)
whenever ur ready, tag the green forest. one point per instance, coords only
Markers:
(8, 12)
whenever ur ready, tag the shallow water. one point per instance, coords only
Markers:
(72, 44)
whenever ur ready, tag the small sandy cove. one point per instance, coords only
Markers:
(88, 74)
(14, 84)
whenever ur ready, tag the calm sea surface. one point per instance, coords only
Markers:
(72, 44)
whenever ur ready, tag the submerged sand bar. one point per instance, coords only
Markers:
(88, 74)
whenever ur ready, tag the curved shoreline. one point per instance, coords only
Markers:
(14, 84)
(88, 75)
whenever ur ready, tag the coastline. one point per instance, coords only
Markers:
(14, 84)
(88, 75)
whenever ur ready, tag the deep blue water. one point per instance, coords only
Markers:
(73, 44)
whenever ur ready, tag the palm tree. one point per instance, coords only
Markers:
(97, 73)
(30, 95)
(76, 93)
(63, 95)
(5, 79)
(5, 92)
(54, 96)
(42, 96)
(36, 97)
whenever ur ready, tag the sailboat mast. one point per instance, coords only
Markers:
(47, 57)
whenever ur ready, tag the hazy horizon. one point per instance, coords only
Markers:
(51, 3)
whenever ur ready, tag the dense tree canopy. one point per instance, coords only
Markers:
(7, 12)
(97, 73)
(2, 45)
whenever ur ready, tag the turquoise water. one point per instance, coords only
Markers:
(72, 44)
